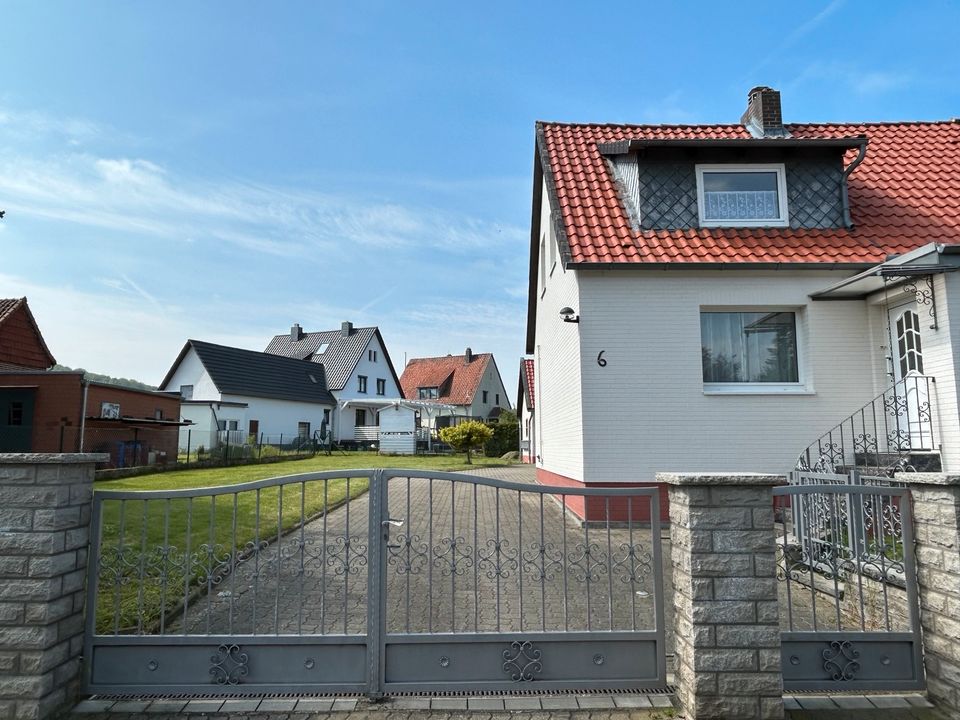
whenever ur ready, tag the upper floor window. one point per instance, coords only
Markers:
(186, 392)
(381, 386)
(742, 195)
(741, 348)
(427, 393)
(372, 355)
(484, 395)
(361, 383)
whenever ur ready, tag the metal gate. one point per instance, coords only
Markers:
(848, 592)
(420, 582)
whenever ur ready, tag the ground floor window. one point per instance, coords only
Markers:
(749, 347)
(303, 429)
(361, 418)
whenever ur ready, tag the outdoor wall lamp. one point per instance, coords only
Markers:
(568, 316)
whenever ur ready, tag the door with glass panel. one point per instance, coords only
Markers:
(909, 415)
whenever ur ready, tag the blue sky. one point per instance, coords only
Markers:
(220, 170)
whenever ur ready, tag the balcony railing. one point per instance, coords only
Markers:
(896, 431)
(371, 433)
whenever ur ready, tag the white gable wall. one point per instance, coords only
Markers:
(493, 384)
(345, 421)
(647, 411)
(557, 355)
(191, 371)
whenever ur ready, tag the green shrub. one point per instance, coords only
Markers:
(466, 436)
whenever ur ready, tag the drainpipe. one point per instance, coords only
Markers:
(83, 412)
(844, 197)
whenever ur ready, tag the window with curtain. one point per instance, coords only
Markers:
(749, 347)
(732, 196)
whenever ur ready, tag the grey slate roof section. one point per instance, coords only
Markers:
(246, 372)
(339, 359)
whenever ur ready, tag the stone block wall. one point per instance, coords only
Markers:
(727, 630)
(936, 513)
(44, 524)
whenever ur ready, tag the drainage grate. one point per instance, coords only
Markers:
(668, 690)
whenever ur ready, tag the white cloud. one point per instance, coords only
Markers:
(795, 35)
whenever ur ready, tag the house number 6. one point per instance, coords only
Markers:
(601, 361)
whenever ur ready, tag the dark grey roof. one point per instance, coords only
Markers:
(256, 374)
(341, 356)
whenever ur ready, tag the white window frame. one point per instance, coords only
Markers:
(801, 387)
(779, 168)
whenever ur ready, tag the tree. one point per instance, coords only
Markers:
(506, 434)
(466, 436)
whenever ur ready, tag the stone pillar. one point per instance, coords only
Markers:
(936, 517)
(726, 619)
(44, 528)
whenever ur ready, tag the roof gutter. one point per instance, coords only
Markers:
(844, 195)
(680, 267)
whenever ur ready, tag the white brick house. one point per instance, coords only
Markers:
(712, 323)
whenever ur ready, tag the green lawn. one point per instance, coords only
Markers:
(156, 554)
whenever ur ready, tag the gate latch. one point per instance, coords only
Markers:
(392, 521)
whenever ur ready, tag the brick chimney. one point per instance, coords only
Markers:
(296, 333)
(763, 117)
(467, 356)
(346, 328)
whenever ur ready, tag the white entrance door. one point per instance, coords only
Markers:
(909, 408)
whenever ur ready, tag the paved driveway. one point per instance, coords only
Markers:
(468, 558)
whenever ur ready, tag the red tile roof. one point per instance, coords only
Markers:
(21, 343)
(526, 367)
(435, 371)
(906, 193)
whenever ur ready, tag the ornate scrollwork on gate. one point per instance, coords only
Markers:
(522, 661)
(409, 555)
(632, 563)
(542, 561)
(453, 556)
(498, 559)
(588, 563)
(840, 660)
(346, 555)
(229, 666)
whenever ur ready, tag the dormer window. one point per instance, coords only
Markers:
(742, 195)
(428, 393)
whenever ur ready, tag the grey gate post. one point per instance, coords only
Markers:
(726, 619)
(44, 528)
(936, 512)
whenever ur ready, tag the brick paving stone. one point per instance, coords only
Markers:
(522, 703)
(411, 703)
(889, 701)
(240, 705)
(816, 702)
(344, 705)
(314, 704)
(277, 705)
(632, 701)
(204, 706)
(130, 706)
(484, 703)
(564, 702)
(93, 706)
(852, 702)
(595, 702)
(166, 706)
(448, 704)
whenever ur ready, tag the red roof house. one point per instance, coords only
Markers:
(471, 382)
(717, 297)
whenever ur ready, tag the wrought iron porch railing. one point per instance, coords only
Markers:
(896, 431)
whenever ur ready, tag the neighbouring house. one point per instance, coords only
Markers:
(52, 411)
(231, 395)
(526, 407)
(470, 383)
(730, 297)
(358, 369)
